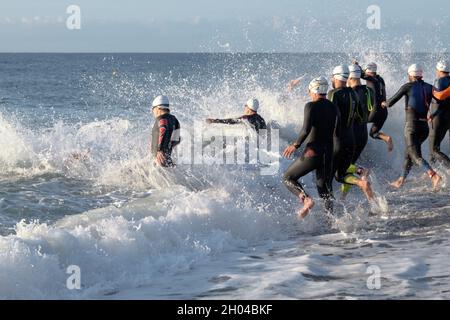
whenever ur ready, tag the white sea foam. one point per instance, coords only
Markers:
(206, 231)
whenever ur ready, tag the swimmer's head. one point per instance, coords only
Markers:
(252, 105)
(443, 68)
(340, 76)
(354, 71)
(160, 104)
(371, 68)
(415, 71)
(318, 87)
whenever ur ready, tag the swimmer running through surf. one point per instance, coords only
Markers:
(321, 123)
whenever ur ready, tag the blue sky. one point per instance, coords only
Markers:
(232, 25)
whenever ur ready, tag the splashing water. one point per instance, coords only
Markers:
(78, 187)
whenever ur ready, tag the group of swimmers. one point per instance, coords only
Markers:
(335, 128)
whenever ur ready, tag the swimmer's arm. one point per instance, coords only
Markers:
(396, 97)
(163, 126)
(364, 76)
(293, 83)
(441, 95)
(226, 121)
(307, 127)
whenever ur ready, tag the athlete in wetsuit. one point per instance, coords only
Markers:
(418, 95)
(378, 114)
(165, 132)
(320, 124)
(348, 103)
(250, 115)
(441, 114)
(366, 102)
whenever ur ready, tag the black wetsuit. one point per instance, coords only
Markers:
(320, 124)
(378, 114)
(441, 123)
(255, 120)
(165, 136)
(344, 146)
(418, 95)
(366, 103)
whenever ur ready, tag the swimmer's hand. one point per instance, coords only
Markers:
(209, 121)
(160, 158)
(293, 83)
(289, 151)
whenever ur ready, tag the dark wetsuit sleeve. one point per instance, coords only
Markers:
(363, 73)
(396, 97)
(383, 90)
(441, 92)
(227, 121)
(364, 76)
(442, 95)
(307, 126)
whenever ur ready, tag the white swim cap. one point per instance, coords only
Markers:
(161, 101)
(371, 67)
(341, 73)
(415, 70)
(319, 85)
(443, 66)
(355, 71)
(253, 104)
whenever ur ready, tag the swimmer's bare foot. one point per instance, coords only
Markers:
(308, 204)
(390, 144)
(436, 180)
(365, 174)
(367, 189)
(397, 184)
(388, 140)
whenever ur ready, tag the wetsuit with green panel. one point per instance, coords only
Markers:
(344, 145)
(364, 107)
(366, 100)
(378, 114)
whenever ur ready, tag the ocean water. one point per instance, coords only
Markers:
(77, 187)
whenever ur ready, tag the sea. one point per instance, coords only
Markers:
(85, 213)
